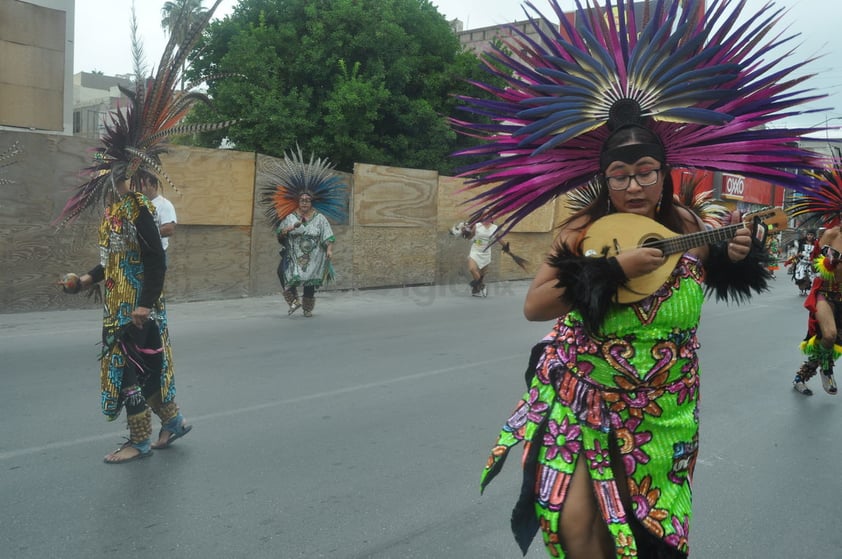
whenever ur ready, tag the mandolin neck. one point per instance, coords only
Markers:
(683, 243)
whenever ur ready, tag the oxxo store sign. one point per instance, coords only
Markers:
(734, 186)
(749, 190)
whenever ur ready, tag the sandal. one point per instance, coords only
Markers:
(144, 450)
(176, 429)
(294, 306)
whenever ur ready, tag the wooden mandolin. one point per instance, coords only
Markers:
(612, 234)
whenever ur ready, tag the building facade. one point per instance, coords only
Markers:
(94, 96)
(36, 57)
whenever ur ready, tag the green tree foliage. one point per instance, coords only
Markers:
(368, 81)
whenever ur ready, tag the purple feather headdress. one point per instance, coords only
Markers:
(695, 77)
(822, 204)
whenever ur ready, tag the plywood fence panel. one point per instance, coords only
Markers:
(455, 206)
(452, 258)
(207, 262)
(213, 187)
(452, 202)
(531, 246)
(264, 245)
(390, 256)
(263, 276)
(393, 197)
(539, 221)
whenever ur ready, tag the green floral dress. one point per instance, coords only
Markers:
(638, 381)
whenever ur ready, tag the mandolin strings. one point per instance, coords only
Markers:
(682, 243)
(691, 240)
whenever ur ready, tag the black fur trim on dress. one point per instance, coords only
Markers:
(735, 281)
(590, 283)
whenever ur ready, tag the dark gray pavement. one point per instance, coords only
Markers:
(361, 433)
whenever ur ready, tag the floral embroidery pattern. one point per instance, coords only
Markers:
(678, 538)
(644, 500)
(631, 442)
(562, 440)
(598, 458)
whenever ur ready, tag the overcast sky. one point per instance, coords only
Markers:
(107, 47)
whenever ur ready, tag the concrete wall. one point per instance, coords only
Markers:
(397, 231)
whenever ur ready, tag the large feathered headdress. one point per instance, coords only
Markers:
(283, 182)
(822, 204)
(137, 134)
(695, 77)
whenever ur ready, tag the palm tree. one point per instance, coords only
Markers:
(178, 16)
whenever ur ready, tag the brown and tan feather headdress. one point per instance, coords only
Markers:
(138, 133)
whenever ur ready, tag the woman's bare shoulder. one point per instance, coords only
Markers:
(830, 235)
(691, 221)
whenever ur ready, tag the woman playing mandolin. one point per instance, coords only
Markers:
(610, 419)
(628, 372)
(634, 179)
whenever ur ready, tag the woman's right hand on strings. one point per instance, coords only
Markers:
(641, 261)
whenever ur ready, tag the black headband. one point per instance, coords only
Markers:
(631, 153)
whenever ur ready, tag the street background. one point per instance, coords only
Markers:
(362, 432)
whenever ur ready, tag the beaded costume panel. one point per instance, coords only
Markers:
(120, 257)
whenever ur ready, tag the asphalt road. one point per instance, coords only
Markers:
(361, 433)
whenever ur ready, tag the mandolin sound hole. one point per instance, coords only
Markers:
(652, 242)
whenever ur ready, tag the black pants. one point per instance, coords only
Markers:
(309, 291)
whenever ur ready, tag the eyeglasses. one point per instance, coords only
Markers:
(644, 179)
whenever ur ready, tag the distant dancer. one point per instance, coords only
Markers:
(299, 198)
(479, 257)
(824, 303)
(136, 367)
(136, 360)
(822, 343)
(307, 240)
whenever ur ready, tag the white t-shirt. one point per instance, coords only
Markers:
(164, 213)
